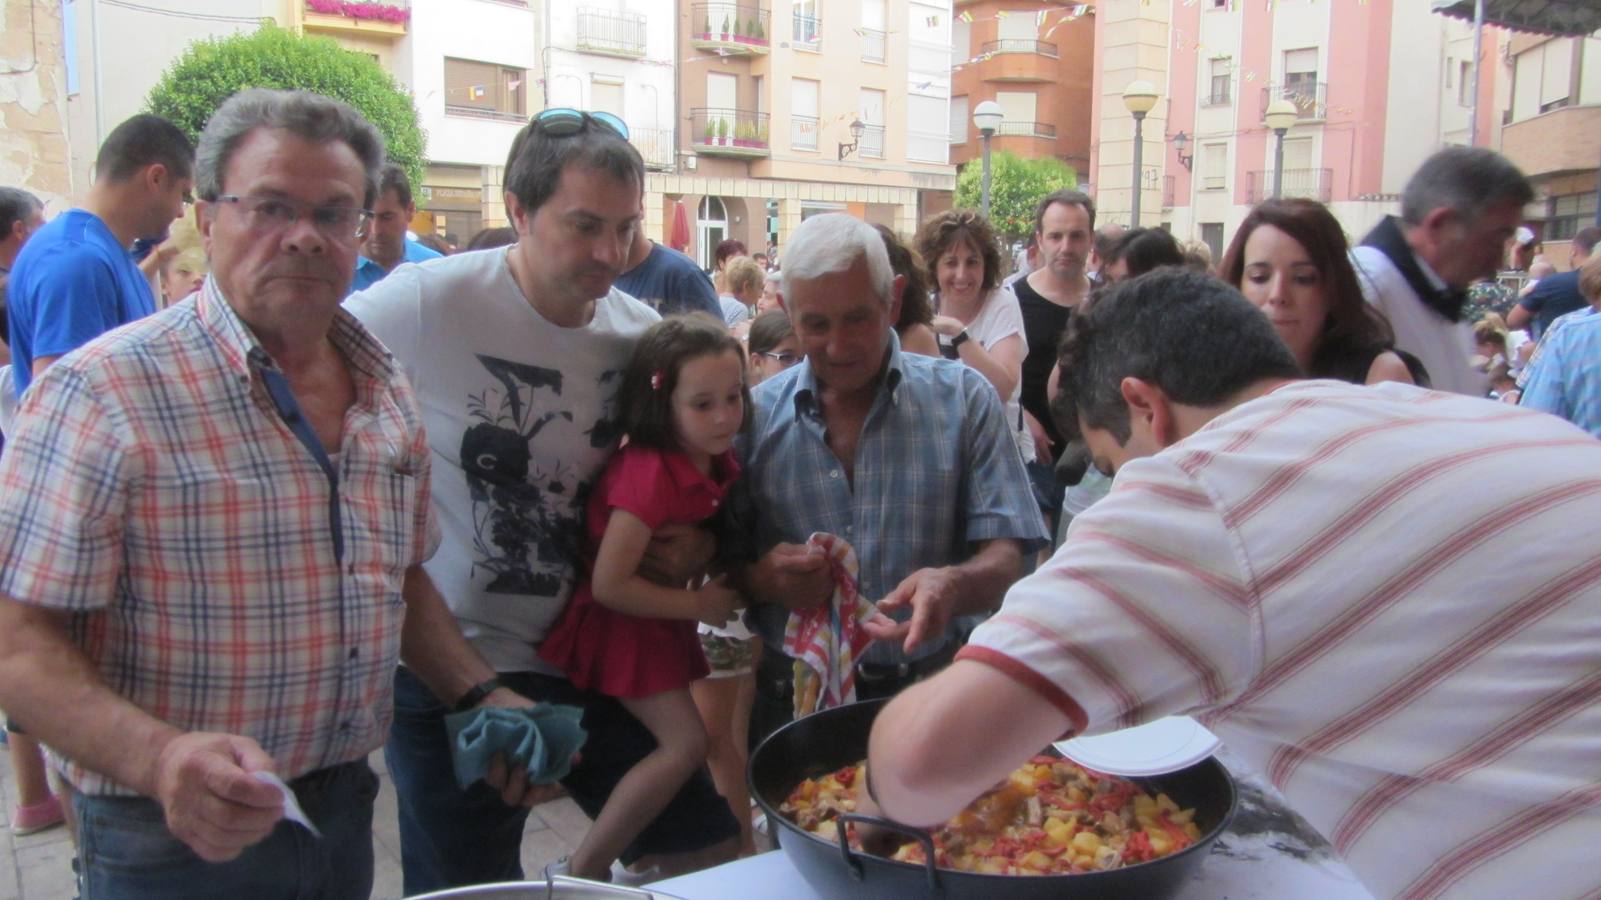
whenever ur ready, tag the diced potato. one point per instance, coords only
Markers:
(1036, 860)
(1086, 842)
(991, 866)
(1182, 817)
(1166, 802)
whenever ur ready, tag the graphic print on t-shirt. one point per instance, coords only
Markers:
(522, 521)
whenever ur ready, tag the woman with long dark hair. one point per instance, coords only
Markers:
(1291, 259)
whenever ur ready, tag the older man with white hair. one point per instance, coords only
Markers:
(906, 457)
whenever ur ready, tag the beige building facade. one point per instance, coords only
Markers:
(35, 147)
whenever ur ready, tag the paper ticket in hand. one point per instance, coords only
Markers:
(292, 810)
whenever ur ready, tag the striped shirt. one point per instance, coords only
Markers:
(1566, 381)
(215, 576)
(1347, 586)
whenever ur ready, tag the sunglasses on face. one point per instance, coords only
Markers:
(562, 121)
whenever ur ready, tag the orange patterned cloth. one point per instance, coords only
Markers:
(827, 639)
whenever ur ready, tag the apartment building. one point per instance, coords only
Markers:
(1377, 87)
(1036, 59)
(797, 107)
(1553, 131)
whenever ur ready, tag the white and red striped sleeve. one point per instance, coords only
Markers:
(1143, 612)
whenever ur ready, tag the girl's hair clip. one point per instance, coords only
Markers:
(656, 380)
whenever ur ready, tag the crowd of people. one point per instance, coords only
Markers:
(284, 485)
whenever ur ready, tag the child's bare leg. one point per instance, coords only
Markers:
(648, 787)
(718, 700)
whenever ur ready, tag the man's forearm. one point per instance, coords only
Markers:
(55, 692)
(983, 579)
(431, 642)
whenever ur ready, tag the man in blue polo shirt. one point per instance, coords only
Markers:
(75, 278)
(387, 245)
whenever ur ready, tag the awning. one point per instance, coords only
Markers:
(1571, 18)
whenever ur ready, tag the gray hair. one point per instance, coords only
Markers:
(1469, 180)
(315, 118)
(826, 244)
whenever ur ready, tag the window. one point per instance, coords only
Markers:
(1464, 89)
(1569, 213)
(1214, 167)
(872, 141)
(1212, 237)
(803, 114)
(1220, 4)
(962, 39)
(606, 95)
(1300, 72)
(1019, 27)
(1556, 75)
(1018, 110)
(959, 119)
(1222, 78)
(808, 24)
(711, 228)
(926, 141)
(485, 89)
(874, 38)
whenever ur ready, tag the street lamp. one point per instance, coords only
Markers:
(1139, 97)
(1281, 114)
(856, 138)
(987, 116)
(1181, 142)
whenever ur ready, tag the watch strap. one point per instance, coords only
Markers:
(961, 338)
(476, 694)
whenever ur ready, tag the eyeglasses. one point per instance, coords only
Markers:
(270, 214)
(784, 359)
(562, 121)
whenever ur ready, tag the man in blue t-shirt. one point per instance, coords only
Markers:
(75, 278)
(1556, 295)
(667, 280)
(387, 245)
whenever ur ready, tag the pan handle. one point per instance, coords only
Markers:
(854, 864)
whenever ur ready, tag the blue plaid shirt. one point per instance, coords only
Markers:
(936, 470)
(1566, 378)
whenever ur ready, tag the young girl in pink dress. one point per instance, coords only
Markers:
(682, 399)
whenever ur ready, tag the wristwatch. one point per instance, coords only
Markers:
(476, 694)
(960, 339)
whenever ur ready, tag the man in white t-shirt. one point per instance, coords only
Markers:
(1315, 568)
(515, 354)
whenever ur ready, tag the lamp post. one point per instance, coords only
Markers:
(1181, 142)
(1139, 97)
(987, 116)
(1281, 115)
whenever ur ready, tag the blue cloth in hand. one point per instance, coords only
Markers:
(541, 739)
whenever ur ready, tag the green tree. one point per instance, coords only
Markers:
(211, 71)
(1016, 185)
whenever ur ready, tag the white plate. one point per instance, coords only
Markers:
(1155, 748)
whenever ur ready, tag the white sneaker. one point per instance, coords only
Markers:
(621, 874)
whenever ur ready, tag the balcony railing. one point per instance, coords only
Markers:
(611, 32)
(1310, 97)
(872, 143)
(1028, 129)
(726, 131)
(654, 144)
(803, 132)
(1217, 98)
(808, 32)
(730, 27)
(367, 17)
(1314, 184)
(478, 112)
(1169, 190)
(874, 44)
(1019, 45)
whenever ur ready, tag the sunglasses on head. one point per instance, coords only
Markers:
(561, 121)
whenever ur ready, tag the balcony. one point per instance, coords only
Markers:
(655, 145)
(1310, 98)
(1217, 98)
(729, 132)
(1027, 129)
(808, 33)
(872, 142)
(1313, 184)
(731, 28)
(803, 132)
(1018, 60)
(875, 45)
(1562, 140)
(611, 33)
(1169, 190)
(367, 18)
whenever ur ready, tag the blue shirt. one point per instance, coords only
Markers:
(71, 283)
(1554, 296)
(369, 273)
(1566, 379)
(670, 282)
(936, 470)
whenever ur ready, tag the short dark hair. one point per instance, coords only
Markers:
(1106, 242)
(142, 141)
(393, 178)
(945, 230)
(1145, 249)
(1067, 196)
(537, 160)
(1190, 334)
(726, 251)
(1470, 180)
(435, 243)
(768, 330)
(915, 309)
(1586, 238)
(492, 237)
(16, 205)
(644, 400)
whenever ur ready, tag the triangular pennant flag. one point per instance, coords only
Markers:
(965, 15)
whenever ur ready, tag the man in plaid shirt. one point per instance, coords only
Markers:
(205, 521)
